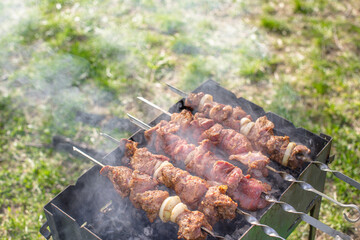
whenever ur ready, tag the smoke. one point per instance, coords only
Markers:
(140, 44)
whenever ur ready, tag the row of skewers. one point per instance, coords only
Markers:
(187, 140)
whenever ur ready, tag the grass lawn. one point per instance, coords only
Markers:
(299, 59)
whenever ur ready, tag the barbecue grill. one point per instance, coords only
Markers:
(91, 209)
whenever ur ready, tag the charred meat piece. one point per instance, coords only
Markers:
(190, 189)
(190, 224)
(193, 100)
(216, 205)
(140, 183)
(276, 147)
(120, 177)
(150, 202)
(248, 194)
(254, 160)
(145, 161)
(297, 154)
(261, 133)
(227, 173)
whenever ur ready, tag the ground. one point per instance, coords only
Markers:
(299, 59)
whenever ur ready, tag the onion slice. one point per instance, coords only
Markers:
(244, 121)
(189, 157)
(178, 209)
(207, 98)
(290, 147)
(167, 206)
(247, 128)
(163, 164)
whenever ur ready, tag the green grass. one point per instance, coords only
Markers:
(299, 59)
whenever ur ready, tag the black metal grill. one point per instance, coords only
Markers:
(76, 213)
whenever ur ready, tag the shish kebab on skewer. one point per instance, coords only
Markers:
(142, 191)
(252, 220)
(212, 203)
(286, 176)
(236, 118)
(215, 204)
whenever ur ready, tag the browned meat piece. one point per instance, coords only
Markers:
(276, 147)
(198, 126)
(239, 113)
(296, 155)
(220, 112)
(120, 177)
(190, 224)
(189, 188)
(232, 123)
(150, 202)
(182, 119)
(248, 194)
(213, 134)
(140, 183)
(145, 161)
(234, 142)
(173, 145)
(226, 173)
(129, 148)
(193, 100)
(254, 160)
(217, 205)
(260, 134)
(201, 163)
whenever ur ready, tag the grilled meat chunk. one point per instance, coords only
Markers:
(145, 161)
(190, 189)
(120, 177)
(248, 194)
(216, 205)
(255, 161)
(150, 202)
(297, 154)
(190, 224)
(140, 183)
(193, 100)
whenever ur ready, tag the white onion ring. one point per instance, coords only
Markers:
(247, 128)
(244, 121)
(177, 210)
(163, 164)
(167, 206)
(189, 157)
(207, 98)
(290, 147)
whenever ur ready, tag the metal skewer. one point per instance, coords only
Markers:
(89, 157)
(322, 166)
(102, 165)
(248, 217)
(287, 177)
(307, 187)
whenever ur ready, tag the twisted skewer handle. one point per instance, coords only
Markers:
(253, 221)
(307, 187)
(340, 175)
(310, 220)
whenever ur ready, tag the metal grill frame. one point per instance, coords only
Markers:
(63, 226)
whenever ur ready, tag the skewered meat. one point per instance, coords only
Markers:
(150, 202)
(120, 177)
(191, 189)
(190, 224)
(260, 132)
(205, 164)
(146, 197)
